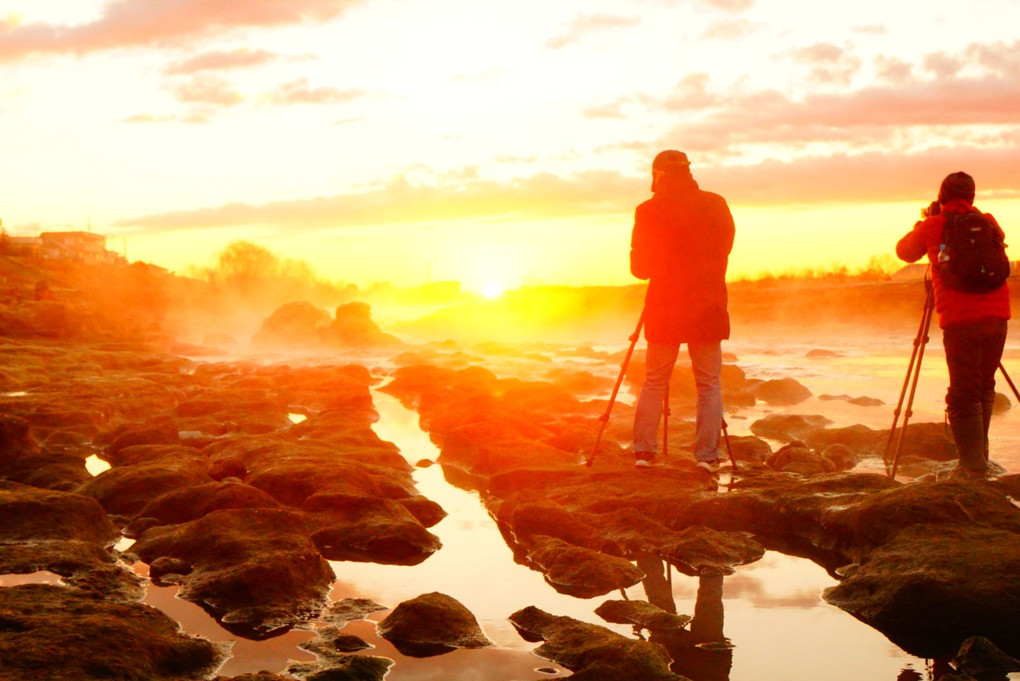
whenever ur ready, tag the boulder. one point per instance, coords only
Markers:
(55, 632)
(932, 587)
(641, 614)
(33, 514)
(782, 392)
(432, 624)
(352, 326)
(253, 568)
(367, 529)
(701, 550)
(580, 572)
(293, 324)
(590, 651)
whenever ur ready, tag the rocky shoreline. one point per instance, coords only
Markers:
(243, 483)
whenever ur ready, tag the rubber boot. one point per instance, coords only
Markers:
(969, 434)
(987, 406)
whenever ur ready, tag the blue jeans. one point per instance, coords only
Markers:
(706, 361)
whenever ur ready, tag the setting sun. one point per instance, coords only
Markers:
(492, 290)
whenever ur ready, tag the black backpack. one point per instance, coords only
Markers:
(972, 257)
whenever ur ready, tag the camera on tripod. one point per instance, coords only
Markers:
(933, 208)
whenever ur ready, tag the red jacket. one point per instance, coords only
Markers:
(681, 243)
(954, 307)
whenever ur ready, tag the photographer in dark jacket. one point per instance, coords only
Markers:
(681, 243)
(973, 328)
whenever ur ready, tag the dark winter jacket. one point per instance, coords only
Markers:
(681, 243)
(954, 307)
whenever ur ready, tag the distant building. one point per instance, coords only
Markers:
(24, 246)
(82, 246)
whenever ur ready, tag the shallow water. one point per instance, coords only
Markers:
(772, 611)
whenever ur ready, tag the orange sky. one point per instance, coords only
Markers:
(408, 140)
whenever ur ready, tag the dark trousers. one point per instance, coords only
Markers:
(973, 353)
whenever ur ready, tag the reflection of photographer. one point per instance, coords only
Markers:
(969, 268)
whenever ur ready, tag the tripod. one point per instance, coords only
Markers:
(604, 418)
(913, 372)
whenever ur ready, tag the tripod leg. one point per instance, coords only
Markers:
(919, 340)
(665, 424)
(1009, 381)
(926, 321)
(729, 451)
(616, 389)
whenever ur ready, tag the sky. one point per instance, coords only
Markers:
(498, 144)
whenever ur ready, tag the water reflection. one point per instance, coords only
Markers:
(702, 653)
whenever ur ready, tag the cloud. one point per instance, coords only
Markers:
(728, 30)
(220, 61)
(193, 118)
(204, 89)
(134, 23)
(730, 5)
(874, 176)
(587, 24)
(298, 92)
(536, 197)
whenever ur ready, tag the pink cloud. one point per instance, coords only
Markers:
(590, 23)
(204, 89)
(298, 92)
(220, 61)
(133, 23)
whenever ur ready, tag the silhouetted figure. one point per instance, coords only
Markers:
(973, 325)
(681, 243)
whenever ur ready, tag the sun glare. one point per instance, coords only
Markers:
(492, 290)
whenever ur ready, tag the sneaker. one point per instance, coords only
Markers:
(643, 459)
(710, 467)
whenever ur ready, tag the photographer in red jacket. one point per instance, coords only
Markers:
(973, 326)
(681, 243)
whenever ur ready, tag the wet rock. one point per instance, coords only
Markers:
(353, 327)
(581, 572)
(873, 520)
(191, 503)
(842, 457)
(139, 435)
(346, 668)
(260, 676)
(979, 656)
(55, 632)
(796, 457)
(32, 514)
(1002, 404)
(89, 567)
(931, 587)
(590, 651)
(253, 568)
(642, 614)
(126, 489)
(703, 551)
(788, 426)
(432, 624)
(748, 449)
(368, 529)
(859, 401)
(349, 609)
(782, 392)
(294, 324)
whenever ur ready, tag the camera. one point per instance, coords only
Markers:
(933, 208)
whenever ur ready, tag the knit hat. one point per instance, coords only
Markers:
(670, 159)
(958, 185)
